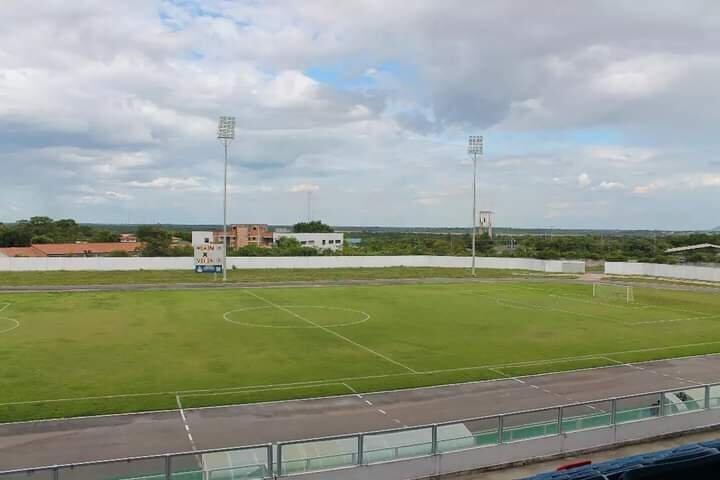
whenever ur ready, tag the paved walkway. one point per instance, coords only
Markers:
(39, 443)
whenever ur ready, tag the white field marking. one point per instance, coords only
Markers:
(366, 316)
(625, 307)
(646, 306)
(584, 357)
(635, 305)
(673, 320)
(185, 422)
(352, 389)
(271, 389)
(15, 323)
(534, 307)
(310, 383)
(325, 329)
(536, 387)
(654, 372)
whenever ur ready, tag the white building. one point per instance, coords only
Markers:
(321, 241)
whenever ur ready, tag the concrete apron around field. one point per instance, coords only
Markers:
(38, 443)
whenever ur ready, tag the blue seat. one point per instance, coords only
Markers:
(699, 458)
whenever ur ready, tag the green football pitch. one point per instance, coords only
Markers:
(87, 353)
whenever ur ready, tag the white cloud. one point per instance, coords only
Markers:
(170, 183)
(604, 185)
(304, 187)
(127, 101)
(679, 183)
(118, 195)
(584, 180)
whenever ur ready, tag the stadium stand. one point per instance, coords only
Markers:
(695, 461)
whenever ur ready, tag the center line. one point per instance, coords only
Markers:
(367, 349)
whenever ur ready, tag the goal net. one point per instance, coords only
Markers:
(612, 291)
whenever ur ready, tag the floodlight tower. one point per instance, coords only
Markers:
(226, 134)
(475, 148)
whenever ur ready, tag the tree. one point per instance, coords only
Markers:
(315, 226)
(157, 241)
(105, 236)
(15, 238)
(40, 239)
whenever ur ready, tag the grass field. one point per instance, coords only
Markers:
(69, 354)
(15, 279)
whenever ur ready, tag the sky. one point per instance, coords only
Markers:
(595, 114)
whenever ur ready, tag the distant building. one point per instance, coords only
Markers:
(100, 249)
(239, 236)
(321, 241)
(128, 238)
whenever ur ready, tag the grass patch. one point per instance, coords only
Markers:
(240, 276)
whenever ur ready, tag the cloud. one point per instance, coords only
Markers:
(304, 187)
(119, 196)
(171, 183)
(604, 185)
(679, 183)
(365, 98)
(583, 180)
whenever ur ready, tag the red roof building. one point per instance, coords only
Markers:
(72, 249)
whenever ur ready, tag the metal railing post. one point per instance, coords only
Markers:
(434, 447)
(279, 460)
(168, 467)
(501, 428)
(560, 428)
(360, 447)
(55, 473)
(707, 397)
(661, 406)
(270, 466)
(613, 412)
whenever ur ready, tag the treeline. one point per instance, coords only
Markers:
(577, 247)
(38, 230)
(160, 241)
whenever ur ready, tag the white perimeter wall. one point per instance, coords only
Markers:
(186, 263)
(658, 270)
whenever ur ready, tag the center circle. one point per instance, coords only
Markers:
(8, 324)
(296, 316)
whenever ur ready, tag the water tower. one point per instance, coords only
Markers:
(485, 221)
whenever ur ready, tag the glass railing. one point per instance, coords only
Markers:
(298, 457)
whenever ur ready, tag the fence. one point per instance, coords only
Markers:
(685, 272)
(424, 450)
(186, 263)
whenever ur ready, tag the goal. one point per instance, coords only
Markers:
(613, 291)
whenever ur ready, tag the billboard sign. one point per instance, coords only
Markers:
(208, 255)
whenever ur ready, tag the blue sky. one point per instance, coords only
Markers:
(598, 115)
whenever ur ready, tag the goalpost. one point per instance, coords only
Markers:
(614, 292)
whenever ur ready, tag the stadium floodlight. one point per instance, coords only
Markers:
(226, 133)
(226, 128)
(475, 148)
(475, 145)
